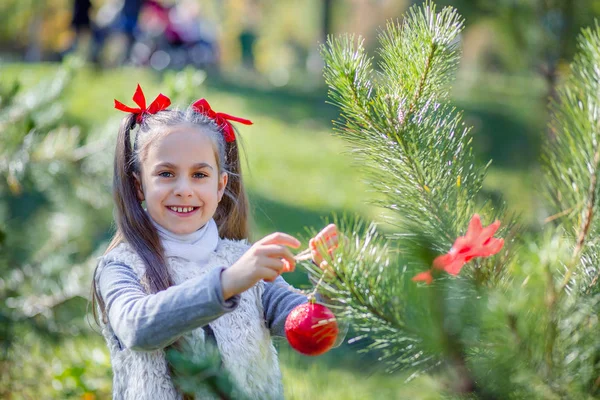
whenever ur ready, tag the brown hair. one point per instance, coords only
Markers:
(133, 224)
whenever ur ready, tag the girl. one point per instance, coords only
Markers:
(181, 270)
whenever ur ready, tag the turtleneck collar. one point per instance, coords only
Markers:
(196, 246)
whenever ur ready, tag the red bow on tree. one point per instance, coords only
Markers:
(160, 103)
(221, 119)
(478, 242)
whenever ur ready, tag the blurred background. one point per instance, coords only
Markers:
(62, 62)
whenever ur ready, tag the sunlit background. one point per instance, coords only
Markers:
(60, 70)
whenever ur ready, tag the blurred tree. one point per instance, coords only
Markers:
(536, 35)
(327, 19)
(53, 213)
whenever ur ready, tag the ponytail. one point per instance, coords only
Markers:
(133, 224)
(233, 210)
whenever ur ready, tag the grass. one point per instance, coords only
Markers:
(297, 175)
(80, 364)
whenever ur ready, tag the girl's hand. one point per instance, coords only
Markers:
(323, 244)
(266, 260)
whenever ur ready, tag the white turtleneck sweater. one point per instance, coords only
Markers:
(196, 246)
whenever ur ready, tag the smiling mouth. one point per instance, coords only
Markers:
(183, 210)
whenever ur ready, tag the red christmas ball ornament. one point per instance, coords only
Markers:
(311, 329)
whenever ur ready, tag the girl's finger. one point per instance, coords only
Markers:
(278, 265)
(327, 236)
(281, 239)
(289, 262)
(287, 266)
(275, 251)
(329, 230)
(325, 267)
(270, 275)
(332, 242)
(324, 245)
(316, 256)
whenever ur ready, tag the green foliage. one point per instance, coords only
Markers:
(43, 164)
(416, 145)
(533, 34)
(517, 325)
(419, 156)
(572, 159)
(575, 131)
(204, 376)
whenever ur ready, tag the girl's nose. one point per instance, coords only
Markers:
(183, 188)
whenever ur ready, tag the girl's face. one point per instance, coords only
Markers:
(180, 180)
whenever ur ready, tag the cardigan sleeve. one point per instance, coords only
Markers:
(278, 300)
(148, 322)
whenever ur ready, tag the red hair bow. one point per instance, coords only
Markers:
(160, 103)
(221, 119)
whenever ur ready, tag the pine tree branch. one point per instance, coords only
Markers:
(572, 156)
(437, 29)
(427, 69)
(419, 154)
(433, 207)
(408, 73)
(586, 223)
(385, 319)
(573, 159)
(369, 296)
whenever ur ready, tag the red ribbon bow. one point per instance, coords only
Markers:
(160, 103)
(221, 119)
(478, 242)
